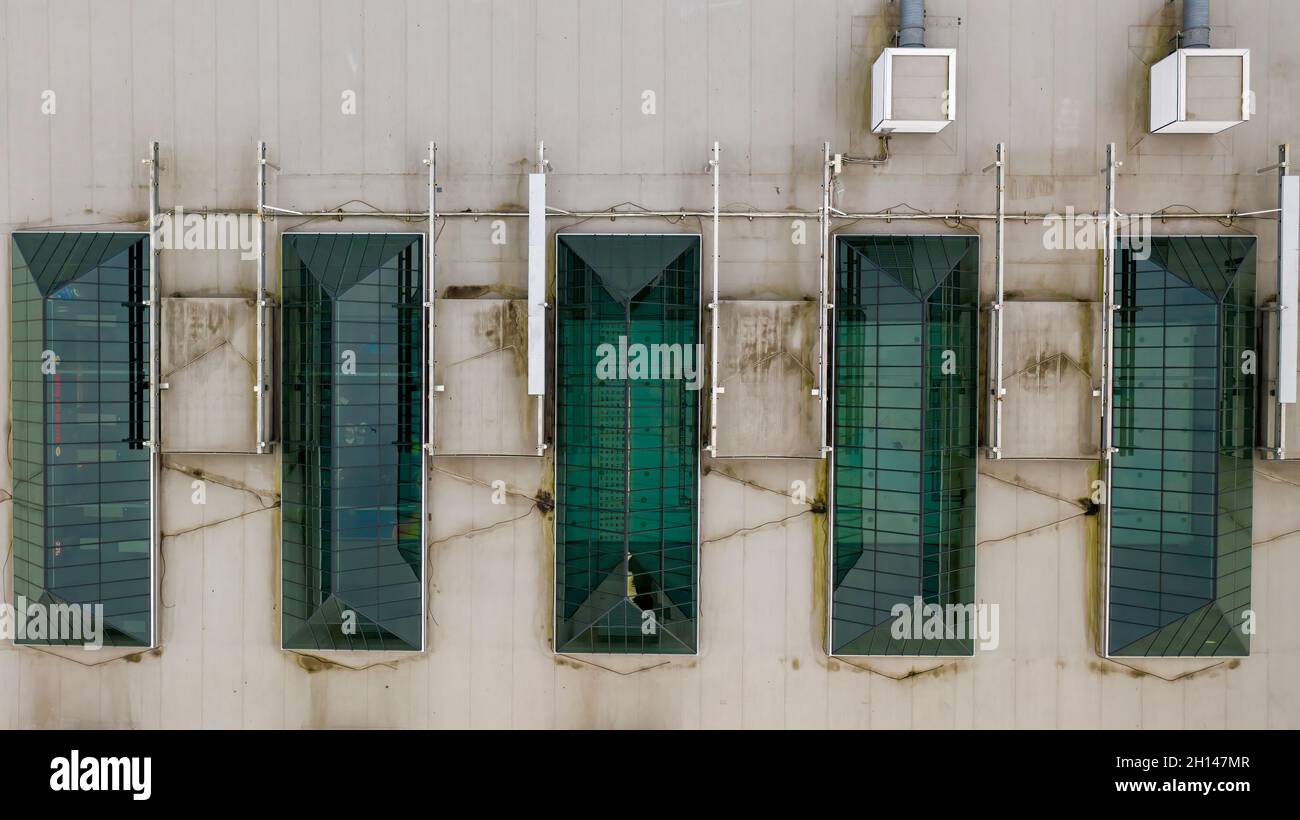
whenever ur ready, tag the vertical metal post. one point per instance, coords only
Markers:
(426, 301)
(260, 388)
(714, 306)
(1279, 414)
(997, 391)
(823, 300)
(430, 284)
(1108, 309)
(155, 375)
(821, 390)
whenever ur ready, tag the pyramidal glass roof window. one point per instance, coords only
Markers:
(627, 438)
(352, 460)
(904, 460)
(1180, 510)
(82, 527)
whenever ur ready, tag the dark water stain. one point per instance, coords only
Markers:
(194, 325)
(505, 325)
(1093, 562)
(821, 560)
(313, 664)
(484, 291)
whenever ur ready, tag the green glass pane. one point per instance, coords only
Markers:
(1180, 514)
(82, 526)
(627, 444)
(904, 441)
(352, 437)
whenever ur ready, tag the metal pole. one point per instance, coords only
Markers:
(823, 277)
(1002, 171)
(998, 391)
(155, 439)
(1279, 414)
(684, 213)
(1107, 383)
(427, 348)
(260, 388)
(430, 283)
(714, 306)
(823, 302)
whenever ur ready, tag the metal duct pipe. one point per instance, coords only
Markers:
(911, 24)
(1196, 24)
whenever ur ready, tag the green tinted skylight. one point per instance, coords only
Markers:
(1180, 524)
(352, 431)
(904, 439)
(82, 528)
(627, 449)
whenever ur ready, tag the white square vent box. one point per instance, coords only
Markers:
(912, 90)
(1200, 91)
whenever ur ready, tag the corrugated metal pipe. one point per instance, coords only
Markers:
(1196, 24)
(911, 24)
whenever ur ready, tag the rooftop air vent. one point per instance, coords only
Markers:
(1200, 91)
(912, 90)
